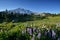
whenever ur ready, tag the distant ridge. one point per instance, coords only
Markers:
(21, 11)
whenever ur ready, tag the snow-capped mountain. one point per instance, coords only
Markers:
(21, 11)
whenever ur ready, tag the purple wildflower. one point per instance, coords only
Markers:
(39, 35)
(30, 31)
(33, 38)
(59, 38)
(53, 34)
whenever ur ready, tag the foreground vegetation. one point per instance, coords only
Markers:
(21, 31)
(29, 27)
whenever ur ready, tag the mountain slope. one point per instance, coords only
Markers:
(21, 11)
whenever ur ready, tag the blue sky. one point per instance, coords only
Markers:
(52, 6)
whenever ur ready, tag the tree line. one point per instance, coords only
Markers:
(5, 16)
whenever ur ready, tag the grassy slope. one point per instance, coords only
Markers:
(50, 20)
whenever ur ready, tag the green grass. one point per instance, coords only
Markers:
(37, 23)
(15, 29)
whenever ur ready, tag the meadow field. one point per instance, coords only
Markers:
(46, 29)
